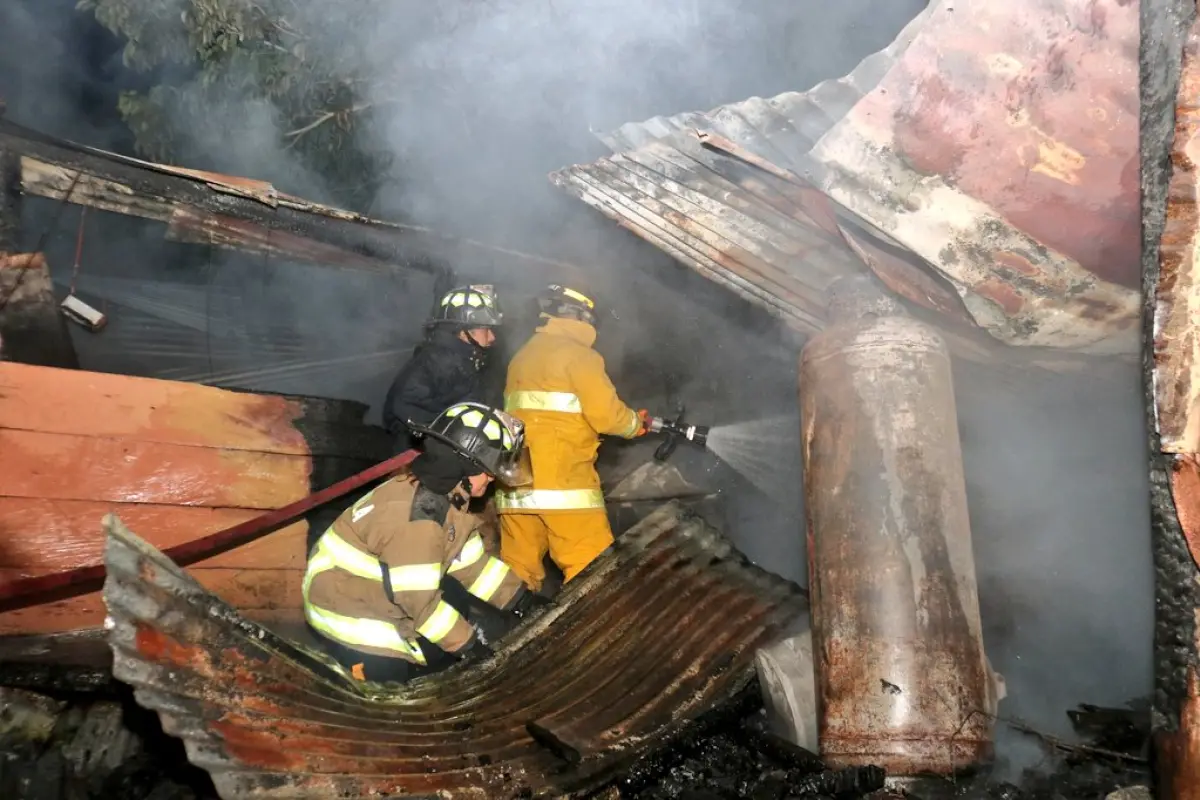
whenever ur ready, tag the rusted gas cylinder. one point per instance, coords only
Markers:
(902, 678)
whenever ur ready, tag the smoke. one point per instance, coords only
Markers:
(477, 102)
(1057, 485)
(59, 72)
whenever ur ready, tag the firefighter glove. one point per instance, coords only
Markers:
(646, 419)
(477, 650)
(528, 604)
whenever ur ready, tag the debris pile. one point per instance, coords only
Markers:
(731, 754)
(86, 746)
(89, 748)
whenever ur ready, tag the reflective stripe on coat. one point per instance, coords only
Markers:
(345, 597)
(558, 386)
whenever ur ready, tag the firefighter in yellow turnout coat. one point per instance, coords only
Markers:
(558, 387)
(372, 588)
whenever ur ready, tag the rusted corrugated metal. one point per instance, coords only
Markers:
(661, 628)
(768, 238)
(742, 164)
(1002, 149)
(236, 212)
(782, 128)
(988, 173)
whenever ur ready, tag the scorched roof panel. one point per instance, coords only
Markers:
(658, 630)
(983, 166)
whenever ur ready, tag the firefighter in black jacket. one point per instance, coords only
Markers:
(450, 366)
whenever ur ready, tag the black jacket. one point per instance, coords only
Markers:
(443, 370)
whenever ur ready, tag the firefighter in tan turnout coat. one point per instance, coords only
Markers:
(373, 587)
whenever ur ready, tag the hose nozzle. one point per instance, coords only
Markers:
(693, 433)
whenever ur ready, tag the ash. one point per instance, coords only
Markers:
(731, 754)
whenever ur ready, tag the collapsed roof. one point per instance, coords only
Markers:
(238, 213)
(983, 166)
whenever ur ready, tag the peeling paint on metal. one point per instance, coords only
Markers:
(1004, 179)
(1177, 297)
(661, 628)
(994, 145)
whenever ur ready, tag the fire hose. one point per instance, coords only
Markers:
(81, 580)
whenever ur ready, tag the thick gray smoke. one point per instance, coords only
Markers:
(1057, 485)
(477, 102)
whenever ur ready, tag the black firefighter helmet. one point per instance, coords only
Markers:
(492, 440)
(473, 306)
(563, 301)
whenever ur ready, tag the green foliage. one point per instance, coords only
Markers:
(262, 71)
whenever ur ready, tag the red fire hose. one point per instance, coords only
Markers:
(72, 582)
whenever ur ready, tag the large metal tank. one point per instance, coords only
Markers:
(902, 678)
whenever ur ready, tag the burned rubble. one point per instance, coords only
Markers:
(733, 754)
(83, 746)
(86, 745)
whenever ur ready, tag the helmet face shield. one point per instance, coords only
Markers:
(515, 469)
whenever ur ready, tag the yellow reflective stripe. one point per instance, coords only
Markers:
(319, 562)
(440, 622)
(550, 499)
(363, 632)
(633, 426)
(490, 579)
(415, 577)
(471, 552)
(574, 295)
(543, 401)
(348, 557)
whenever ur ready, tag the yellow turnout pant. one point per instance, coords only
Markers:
(573, 539)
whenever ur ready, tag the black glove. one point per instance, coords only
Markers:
(477, 650)
(528, 604)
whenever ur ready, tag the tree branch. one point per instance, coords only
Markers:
(357, 108)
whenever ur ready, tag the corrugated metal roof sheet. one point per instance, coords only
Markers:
(230, 211)
(781, 128)
(655, 632)
(983, 166)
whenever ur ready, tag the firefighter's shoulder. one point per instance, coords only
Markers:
(428, 506)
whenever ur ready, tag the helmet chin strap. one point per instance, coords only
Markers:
(481, 352)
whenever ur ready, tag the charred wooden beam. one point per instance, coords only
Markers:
(138, 188)
(1170, 134)
(247, 214)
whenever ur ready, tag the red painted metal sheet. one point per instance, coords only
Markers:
(661, 628)
(983, 166)
(1002, 148)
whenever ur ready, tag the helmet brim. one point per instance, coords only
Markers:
(514, 473)
(421, 431)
